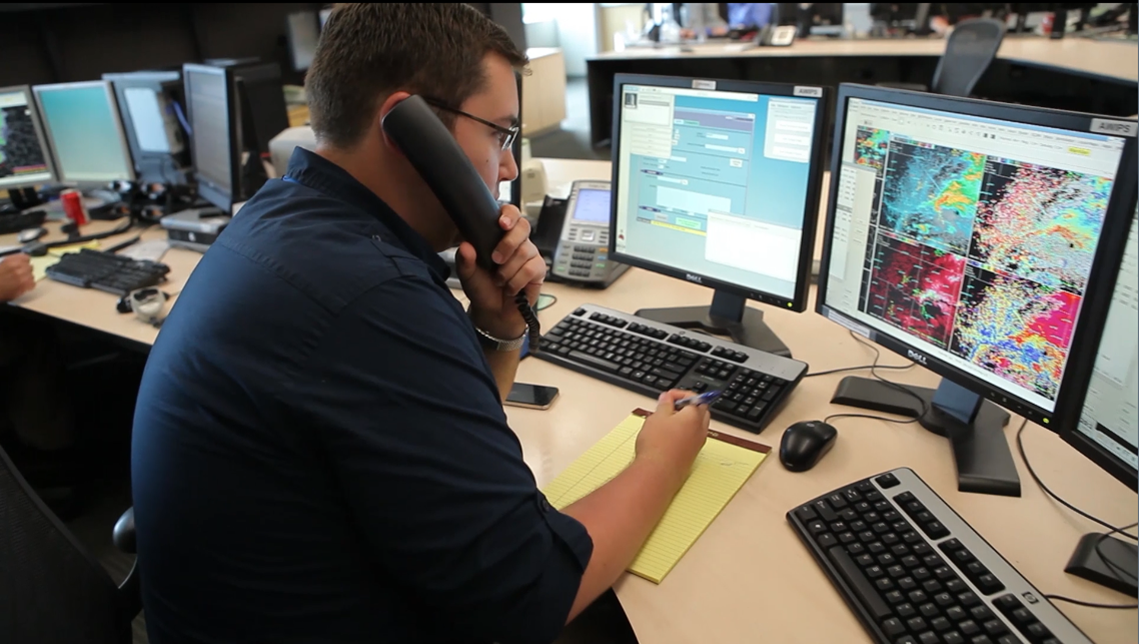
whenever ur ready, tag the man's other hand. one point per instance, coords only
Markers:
(15, 276)
(518, 267)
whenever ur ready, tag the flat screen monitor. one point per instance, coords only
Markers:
(148, 105)
(84, 132)
(1102, 420)
(214, 135)
(717, 182)
(24, 157)
(967, 235)
(302, 31)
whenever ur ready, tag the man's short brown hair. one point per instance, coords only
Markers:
(369, 50)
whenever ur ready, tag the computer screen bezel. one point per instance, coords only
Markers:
(207, 191)
(798, 301)
(1108, 253)
(1071, 402)
(156, 80)
(41, 136)
(60, 174)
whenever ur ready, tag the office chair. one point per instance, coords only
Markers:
(969, 51)
(51, 588)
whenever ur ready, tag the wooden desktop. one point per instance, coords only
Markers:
(748, 578)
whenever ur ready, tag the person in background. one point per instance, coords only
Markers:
(750, 15)
(703, 17)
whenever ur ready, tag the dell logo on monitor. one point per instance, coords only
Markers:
(693, 278)
(915, 356)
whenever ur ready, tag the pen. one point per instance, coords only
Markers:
(699, 399)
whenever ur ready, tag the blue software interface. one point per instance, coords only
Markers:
(714, 183)
(83, 124)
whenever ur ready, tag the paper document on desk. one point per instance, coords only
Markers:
(723, 466)
(152, 249)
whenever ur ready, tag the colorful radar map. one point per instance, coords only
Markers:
(985, 257)
(20, 151)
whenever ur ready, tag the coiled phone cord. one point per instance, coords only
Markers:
(533, 326)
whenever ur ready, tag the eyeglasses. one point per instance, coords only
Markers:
(506, 135)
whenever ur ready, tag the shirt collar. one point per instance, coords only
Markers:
(314, 171)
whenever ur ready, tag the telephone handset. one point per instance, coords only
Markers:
(437, 157)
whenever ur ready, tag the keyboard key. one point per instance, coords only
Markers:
(932, 586)
(969, 628)
(953, 637)
(955, 586)
(887, 481)
(940, 624)
(968, 599)
(956, 614)
(884, 584)
(1038, 631)
(995, 627)
(981, 613)
(943, 599)
(929, 637)
(906, 610)
(1011, 639)
(864, 592)
(893, 627)
(907, 583)
(916, 624)
(981, 639)
(928, 610)
(935, 530)
(826, 540)
(597, 363)
(895, 597)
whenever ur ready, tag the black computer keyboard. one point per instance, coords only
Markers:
(650, 357)
(14, 222)
(915, 573)
(106, 272)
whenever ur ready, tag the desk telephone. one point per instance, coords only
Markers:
(582, 251)
(437, 157)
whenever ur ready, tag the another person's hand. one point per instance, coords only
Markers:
(519, 267)
(674, 438)
(15, 276)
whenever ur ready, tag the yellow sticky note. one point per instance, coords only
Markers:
(60, 251)
(722, 467)
(41, 264)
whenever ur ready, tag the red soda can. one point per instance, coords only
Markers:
(73, 208)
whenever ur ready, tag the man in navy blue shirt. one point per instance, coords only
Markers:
(320, 451)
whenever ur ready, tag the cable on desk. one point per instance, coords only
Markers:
(1115, 569)
(1049, 492)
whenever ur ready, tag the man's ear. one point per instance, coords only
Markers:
(389, 103)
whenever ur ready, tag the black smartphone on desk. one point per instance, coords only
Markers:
(531, 396)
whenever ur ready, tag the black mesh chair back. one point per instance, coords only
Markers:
(971, 49)
(51, 588)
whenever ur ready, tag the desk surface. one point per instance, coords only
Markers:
(749, 578)
(1112, 59)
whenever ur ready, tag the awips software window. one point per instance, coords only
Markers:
(715, 182)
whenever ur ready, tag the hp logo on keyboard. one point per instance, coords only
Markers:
(915, 356)
(693, 278)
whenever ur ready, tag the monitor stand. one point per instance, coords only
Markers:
(728, 315)
(974, 427)
(1112, 564)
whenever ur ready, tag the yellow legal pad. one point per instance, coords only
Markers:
(723, 466)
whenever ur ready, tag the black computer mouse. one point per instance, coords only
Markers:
(804, 443)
